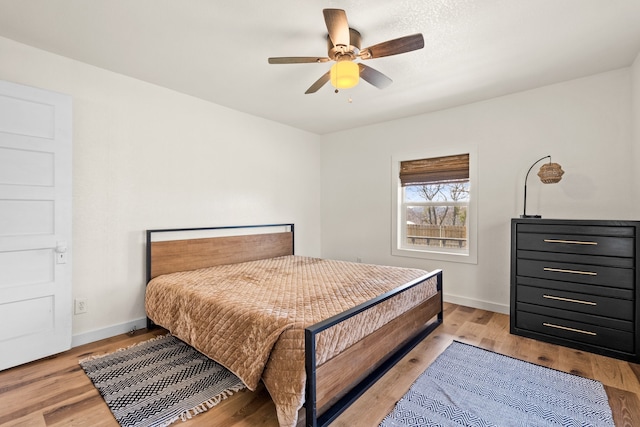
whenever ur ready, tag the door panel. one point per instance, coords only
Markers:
(35, 223)
(22, 217)
(40, 319)
(25, 167)
(29, 267)
(23, 116)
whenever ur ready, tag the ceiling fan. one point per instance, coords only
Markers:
(344, 48)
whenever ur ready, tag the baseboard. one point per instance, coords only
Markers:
(483, 305)
(110, 331)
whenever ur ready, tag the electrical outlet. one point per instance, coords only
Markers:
(80, 306)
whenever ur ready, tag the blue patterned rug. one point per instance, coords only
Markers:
(469, 386)
(159, 381)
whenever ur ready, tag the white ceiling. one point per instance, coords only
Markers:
(217, 50)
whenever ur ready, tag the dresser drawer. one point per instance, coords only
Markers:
(577, 244)
(588, 229)
(580, 288)
(579, 273)
(607, 261)
(583, 303)
(574, 316)
(577, 331)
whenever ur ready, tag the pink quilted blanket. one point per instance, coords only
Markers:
(250, 317)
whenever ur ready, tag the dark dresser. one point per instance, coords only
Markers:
(573, 283)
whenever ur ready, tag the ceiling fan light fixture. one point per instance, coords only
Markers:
(343, 46)
(345, 74)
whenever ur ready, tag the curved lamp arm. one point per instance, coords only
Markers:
(524, 213)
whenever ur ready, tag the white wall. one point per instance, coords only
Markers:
(146, 157)
(585, 125)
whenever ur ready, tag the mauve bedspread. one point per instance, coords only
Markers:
(250, 317)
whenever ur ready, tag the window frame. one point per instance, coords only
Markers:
(399, 212)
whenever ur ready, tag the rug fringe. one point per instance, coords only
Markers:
(99, 356)
(208, 404)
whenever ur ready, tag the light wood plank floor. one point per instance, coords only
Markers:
(55, 391)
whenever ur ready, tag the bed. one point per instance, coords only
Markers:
(316, 332)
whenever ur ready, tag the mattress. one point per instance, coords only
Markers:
(250, 317)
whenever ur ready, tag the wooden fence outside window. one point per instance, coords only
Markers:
(441, 236)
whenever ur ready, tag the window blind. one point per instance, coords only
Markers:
(435, 170)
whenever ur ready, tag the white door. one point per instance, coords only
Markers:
(35, 223)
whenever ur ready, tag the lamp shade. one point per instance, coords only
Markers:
(550, 173)
(345, 74)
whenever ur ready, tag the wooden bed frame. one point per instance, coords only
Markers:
(337, 383)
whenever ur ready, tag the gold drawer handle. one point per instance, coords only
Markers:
(569, 300)
(560, 270)
(571, 242)
(551, 325)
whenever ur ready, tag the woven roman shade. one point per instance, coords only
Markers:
(435, 170)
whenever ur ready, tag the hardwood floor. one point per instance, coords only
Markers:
(56, 392)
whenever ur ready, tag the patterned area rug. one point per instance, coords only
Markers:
(469, 386)
(159, 381)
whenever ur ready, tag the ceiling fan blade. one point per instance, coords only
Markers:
(319, 83)
(338, 27)
(374, 77)
(297, 59)
(393, 47)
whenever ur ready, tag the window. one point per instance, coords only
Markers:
(434, 210)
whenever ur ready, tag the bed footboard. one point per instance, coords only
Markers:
(337, 383)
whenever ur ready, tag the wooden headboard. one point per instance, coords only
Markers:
(172, 250)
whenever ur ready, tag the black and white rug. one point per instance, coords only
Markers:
(469, 386)
(159, 381)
